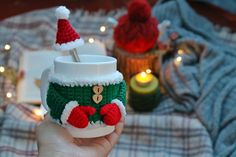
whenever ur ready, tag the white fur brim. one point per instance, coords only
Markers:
(114, 78)
(69, 46)
(121, 106)
(66, 112)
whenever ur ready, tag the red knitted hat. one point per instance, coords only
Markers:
(67, 38)
(137, 31)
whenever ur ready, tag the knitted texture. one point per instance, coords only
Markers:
(65, 32)
(79, 116)
(136, 31)
(139, 11)
(58, 96)
(111, 114)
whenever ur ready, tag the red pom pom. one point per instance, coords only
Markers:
(137, 31)
(136, 37)
(139, 10)
(111, 114)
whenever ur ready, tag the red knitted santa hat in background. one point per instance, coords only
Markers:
(67, 38)
(136, 31)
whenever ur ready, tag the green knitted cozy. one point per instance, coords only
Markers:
(58, 96)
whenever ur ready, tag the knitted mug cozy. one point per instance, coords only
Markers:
(88, 98)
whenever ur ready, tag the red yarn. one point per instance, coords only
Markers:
(136, 31)
(88, 110)
(111, 114)
(65, 32)
(79, 116)
(139, 10)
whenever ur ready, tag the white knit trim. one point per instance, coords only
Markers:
(62, 12)
(67, 110)
(114, 78)
(121, 106)
(69, 46)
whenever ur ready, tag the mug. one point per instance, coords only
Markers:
(88, 98)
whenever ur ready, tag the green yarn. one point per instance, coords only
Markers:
(58, 96)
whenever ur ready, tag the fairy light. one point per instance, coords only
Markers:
(2, 69)
(178, 60)
(91, 40)
(7, 47)
(149, 71)
(9, 95)
(180, 52)
(37, 112)
(102, 28)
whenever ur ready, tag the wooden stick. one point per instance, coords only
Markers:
(74, 55)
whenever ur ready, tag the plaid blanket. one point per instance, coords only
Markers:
(144, 135)
(163, 132)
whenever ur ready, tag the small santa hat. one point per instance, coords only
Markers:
(67, 38)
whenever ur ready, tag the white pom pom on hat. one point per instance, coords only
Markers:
(67, 38)
(62, 12)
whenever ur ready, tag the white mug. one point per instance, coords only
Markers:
(91, 70)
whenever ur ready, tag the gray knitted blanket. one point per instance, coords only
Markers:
(204, 83)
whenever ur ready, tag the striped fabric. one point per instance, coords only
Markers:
(146, 135)
(17, 131)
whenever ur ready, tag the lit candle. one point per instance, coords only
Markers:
(144, 82)
(144, 92)
(143, 78)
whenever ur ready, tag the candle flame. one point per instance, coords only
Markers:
(143, 74)
(144, 78)
(149, 71)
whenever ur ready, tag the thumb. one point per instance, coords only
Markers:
(114, 137)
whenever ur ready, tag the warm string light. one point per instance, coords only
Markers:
(91, 40)
(9, 95)
(37, 112)
(2, 69)
(180, 52)
(178, 60)
(102, 28)
(7, 47)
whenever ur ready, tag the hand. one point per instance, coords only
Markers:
(55, 141)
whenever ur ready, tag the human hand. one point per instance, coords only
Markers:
(55, 141)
